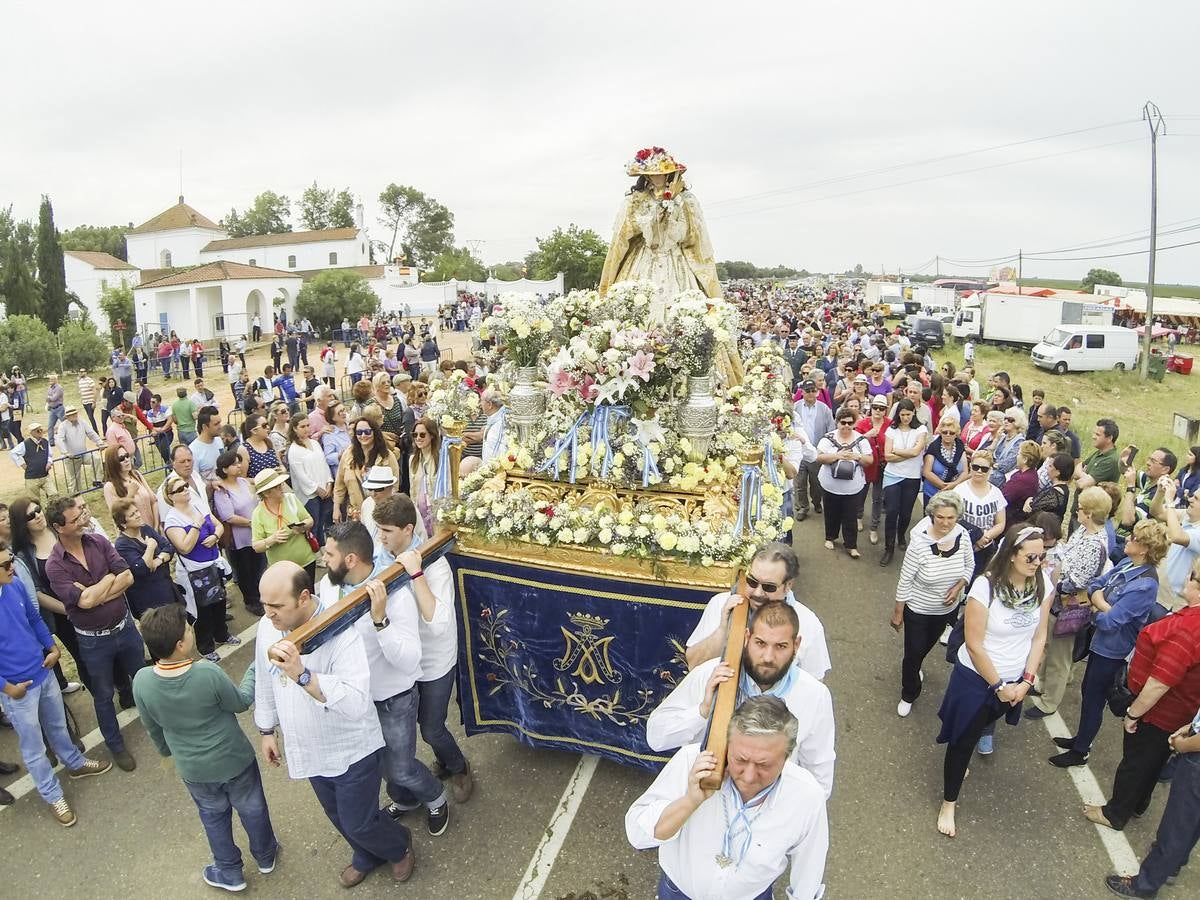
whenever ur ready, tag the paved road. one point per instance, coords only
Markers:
(1020, 832)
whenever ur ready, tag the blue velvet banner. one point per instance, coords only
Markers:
(569, 661)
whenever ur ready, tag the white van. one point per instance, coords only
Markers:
(1086, 348)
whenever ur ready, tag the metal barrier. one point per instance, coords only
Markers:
(90, 468)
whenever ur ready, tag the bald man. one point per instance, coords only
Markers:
(321, 701)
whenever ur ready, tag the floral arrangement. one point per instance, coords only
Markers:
(654, 161)
(695, 325)
(521, 324)
(761, 405)
(454, 399)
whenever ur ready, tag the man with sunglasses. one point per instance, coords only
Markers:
(31, 699)
(772, 572)
(88, 575)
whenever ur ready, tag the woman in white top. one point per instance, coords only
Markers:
(842, 454)
(1007, 615)
(279, 418)
(312, 481)
(422, 468)
(937, 566)
(354, 365)
(983, 508)
(903, 447)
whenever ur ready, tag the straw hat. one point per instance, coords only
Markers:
(654, 161)
(267, 479)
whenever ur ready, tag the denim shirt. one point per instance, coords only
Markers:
(1131, 591)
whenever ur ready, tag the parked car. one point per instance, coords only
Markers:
(927, 330)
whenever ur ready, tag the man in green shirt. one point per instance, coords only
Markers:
(1103, 463)
(183, 412)
(190, 711)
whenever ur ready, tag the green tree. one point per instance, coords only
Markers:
(510, 271)
(108, 239)
(421, 226)
(1099, 276)
(116, 302)
(268, 214)
(576, 252)
(81, 345)
(25, 341)
(333, 295)
(326, 208)
(457, 263)
(19, 289)
(51, 272)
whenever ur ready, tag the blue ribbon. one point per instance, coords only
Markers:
(649, 467)
(769, 457)
(601, 433)
(751, 500)
(569, 441)
(441, 484)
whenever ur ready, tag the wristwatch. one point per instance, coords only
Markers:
(265, 732)
(379, 626)
(305, 678)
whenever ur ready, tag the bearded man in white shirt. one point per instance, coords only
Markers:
(321, 701)
(733, 843)
(772, 638)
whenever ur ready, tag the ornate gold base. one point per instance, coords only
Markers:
(597, 562)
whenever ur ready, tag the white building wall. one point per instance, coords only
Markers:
(314, 255)
(146, 250)
(87, 283)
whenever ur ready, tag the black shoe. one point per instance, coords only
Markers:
(439, 819)
(9, 768)
(1122, 886)
(1068, 759)
(1034, 713)
(6, 799)
(817, 508)
(903, 540)
(886, 559)
(1067, 743)
(396, 811)
(801, 515)
(125, 701)
(228, 617)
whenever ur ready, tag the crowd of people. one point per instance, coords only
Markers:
(1022, 555)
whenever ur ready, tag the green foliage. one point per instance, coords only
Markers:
(268, 214)
(1099, 276)
(326, 208)
(509, 271)
(334, 295)
(25, 341)
(19, 290)
(116, 302)
(732, 269)
(421, 226)
(457, 263)
(81, 345)
(52, 275)
(576, 252)
(108, 239)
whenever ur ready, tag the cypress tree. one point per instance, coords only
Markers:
(52, 274)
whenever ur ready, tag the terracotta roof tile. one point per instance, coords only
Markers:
(365, 271)
(98, 259)
(285, 237)
(221, 270)
(178, 216)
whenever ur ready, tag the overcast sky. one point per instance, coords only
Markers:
(520, 115)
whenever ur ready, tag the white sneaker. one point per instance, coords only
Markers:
(903, 708)
(945, 638)
(922, 674)
(72, 687)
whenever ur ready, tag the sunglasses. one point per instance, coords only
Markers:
(769, 587)
(122, 457)
(1033, 557)
(7, 564)
(1009, 419)
(33, 514)
(362, 431)
(981, 469)
(179, 490)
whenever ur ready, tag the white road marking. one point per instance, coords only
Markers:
(551, 843)
(1120, 851)
(94, 738)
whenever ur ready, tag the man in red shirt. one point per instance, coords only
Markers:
(1165, 676)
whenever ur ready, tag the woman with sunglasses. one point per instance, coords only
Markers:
(842, 454)
(945, 462)
(392, 409)
(280, 524)
(32, 543)
(983, 509)
(1007, 445)
(195, 536)
(423, 467)
(311, 478)
(233, 502)
(367, 448)
(260, 451)
(1123, 600)
(1005, 623)
(122, 481)
(278, 434)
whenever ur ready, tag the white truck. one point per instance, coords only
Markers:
(935, 299)
(1023, 319)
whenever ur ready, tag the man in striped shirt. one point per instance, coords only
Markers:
(87, 396)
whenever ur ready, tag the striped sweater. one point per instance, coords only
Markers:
(926, 576)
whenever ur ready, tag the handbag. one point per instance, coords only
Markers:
(208, 587)
(958, 634)
(1072, 620)
(1120, 697)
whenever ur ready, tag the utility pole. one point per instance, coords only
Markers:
(1020, 263)
(1152, 115)
(937, 267)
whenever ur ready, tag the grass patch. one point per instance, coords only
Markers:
(1160, 290)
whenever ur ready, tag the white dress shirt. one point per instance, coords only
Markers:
(199, 494)
(813, 655)
(790, 828)
(309, 469)
(320, 739)
(393, 653)
(677, 721)
(439, 636)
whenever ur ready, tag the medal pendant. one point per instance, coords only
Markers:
(723, 861)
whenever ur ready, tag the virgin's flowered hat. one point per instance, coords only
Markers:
(654, 161)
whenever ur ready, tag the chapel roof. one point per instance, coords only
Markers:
(220, 270)
(99, 260)
(178, 216)
(285, 237)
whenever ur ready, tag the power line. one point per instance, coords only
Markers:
(923, 162)
(1110, 255)
(925, 178)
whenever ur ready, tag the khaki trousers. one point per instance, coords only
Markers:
(1055, 671)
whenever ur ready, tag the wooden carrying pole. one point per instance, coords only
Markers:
(726, 698)
(345, 611)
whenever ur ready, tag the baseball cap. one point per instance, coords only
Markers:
(809, 385)
(860, 377)
(129, 397)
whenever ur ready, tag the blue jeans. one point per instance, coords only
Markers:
(185, 437)
(351, 801)
(102, 655)
(1097, 680)
(409, 781)
(216, 801)
(433, 703)
(1179, 830)
(321, 511)
(41, 709)
(668, 891)
(56, 416)
(898, 500)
